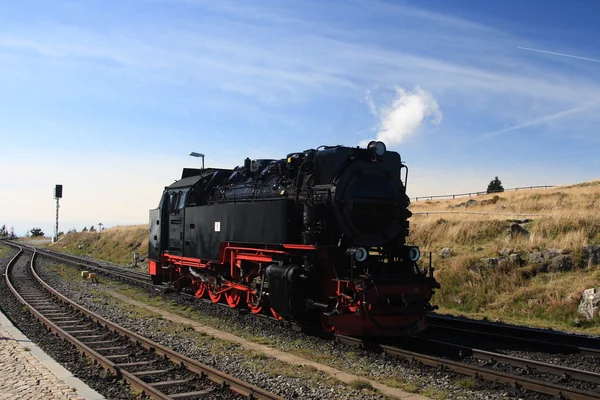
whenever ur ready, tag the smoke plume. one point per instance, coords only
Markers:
(408, 111)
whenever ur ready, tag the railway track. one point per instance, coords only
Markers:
(476, 371)
(151, 369)
(538, 338)
(122, 273)
(521, 369)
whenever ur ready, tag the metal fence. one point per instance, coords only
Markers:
(454, 196)
(480, 213)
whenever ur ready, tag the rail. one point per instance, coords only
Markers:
(454, 196)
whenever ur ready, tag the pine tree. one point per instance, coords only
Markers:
(36, 232)
(495, 186)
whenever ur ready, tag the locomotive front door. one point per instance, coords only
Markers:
(176, 221)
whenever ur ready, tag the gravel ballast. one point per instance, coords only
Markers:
(232, 360)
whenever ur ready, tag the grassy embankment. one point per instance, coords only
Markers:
(115, 245)
(509, 292)
(512, 292)
(4, 250)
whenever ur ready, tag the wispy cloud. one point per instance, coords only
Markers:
(559, 54)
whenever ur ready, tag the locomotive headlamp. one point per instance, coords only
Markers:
(377, 147)
(414, 253)
(359, 253)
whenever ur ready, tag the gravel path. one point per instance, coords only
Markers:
(232, 359)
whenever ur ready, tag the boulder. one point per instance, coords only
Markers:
(505, 252)
(536, 257)
(493, 200)
(591, 255)
(560, 264)
(470, 203)
(590, 299)
(476, 270)
(515, 259)
(489, 262)
(517, 230)
(549, 254)
(446, 252)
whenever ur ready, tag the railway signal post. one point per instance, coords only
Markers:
(57, 196)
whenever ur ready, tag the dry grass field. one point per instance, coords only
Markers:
(565, 218)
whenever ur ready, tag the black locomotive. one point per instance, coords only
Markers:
(317, 237)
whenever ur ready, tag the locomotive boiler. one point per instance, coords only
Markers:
(318, 237)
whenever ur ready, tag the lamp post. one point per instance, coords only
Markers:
(194, 154)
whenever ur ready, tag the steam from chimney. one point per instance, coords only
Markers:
(404, 117)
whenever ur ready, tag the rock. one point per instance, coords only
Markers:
(591, 255)
(588, 307)
(517, 230)
(536, 257)
(539, 257)
(515, 259)
(470, 203)
(489, 262)
(560, 263)
(519, 221)
(505, 252)
(493, 200)
(500, 208)
(549, 254)
(475, 270)
(446, 252)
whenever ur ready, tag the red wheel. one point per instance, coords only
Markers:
(277, 316)
(252, 302)
(214, 297)
(199, 289)
(233, 297)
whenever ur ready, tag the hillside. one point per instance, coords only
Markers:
(116, 244)
(536, 278)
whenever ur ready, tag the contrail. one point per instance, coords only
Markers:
(560, 54)
(547, 118)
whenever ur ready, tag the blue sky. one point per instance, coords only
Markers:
(109, 97)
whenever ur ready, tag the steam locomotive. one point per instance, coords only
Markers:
(318, 237)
